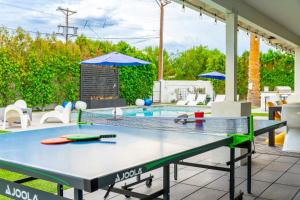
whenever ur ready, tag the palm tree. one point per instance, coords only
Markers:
(253, 71)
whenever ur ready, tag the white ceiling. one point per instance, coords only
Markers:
(278, 21)
(285, 12)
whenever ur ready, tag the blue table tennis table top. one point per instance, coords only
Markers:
(89, 160)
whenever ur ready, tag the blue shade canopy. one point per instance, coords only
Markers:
(115, 59)
(213, 75)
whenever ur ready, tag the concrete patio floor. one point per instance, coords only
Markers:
(273, 178)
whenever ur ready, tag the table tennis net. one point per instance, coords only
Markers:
(207, 125)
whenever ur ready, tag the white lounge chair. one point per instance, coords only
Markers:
(61, 113)
(189, 97)
(181, 103)
(201, 98)
(13, 114)
(219, 98)
(291, 114)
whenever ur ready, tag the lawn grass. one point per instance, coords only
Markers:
(2, 132)
(260, 114)
(254, 114)
(38, 184)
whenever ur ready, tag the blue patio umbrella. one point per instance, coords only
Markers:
(213, 75)
(115, 59)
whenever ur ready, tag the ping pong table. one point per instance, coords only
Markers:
(90, 165)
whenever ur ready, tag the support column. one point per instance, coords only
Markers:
(297, 71)
(231, 57)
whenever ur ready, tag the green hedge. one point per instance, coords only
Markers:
(43, 71)
(277, 69)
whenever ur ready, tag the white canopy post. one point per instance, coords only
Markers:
(231, 57)
(297, 71)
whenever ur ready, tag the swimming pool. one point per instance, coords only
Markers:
(155, 111)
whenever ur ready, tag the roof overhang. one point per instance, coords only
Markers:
(275, 22)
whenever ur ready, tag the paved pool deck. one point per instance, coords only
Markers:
(275, 174)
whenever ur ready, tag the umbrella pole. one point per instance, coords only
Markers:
(115, 107)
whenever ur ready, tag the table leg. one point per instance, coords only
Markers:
(249, 168)
(271, 139)
(78, 195)
(60, 191)
(271, 133)
(266, 103)
(166, 182)
(175, 172)
(232, 169)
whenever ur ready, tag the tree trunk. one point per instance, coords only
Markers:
(253, 71)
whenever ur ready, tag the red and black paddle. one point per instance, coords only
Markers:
(79, 137)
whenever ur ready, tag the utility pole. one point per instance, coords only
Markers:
(162, 5)
(66, 27)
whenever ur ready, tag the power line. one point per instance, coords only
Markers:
(116, 38)
(142, 41)
(66, 27)
(103, 38)
(125, 38)
(26, 8)
(27, 31)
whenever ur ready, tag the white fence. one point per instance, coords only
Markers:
(174, 90)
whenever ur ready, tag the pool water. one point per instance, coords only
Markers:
(156, 111)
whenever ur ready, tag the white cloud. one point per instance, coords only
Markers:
(125, 18)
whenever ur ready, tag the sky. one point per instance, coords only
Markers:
(134, 21)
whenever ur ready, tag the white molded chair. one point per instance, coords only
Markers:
(61, 113)
(14, 113)
(201, 98)
(291, 114)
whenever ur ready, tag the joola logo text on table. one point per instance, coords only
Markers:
(20, 194)
(128, 174)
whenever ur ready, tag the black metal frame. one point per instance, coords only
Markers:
(109, 180)
(230, 169)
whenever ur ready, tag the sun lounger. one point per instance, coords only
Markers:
(201, 98)
(190, 97)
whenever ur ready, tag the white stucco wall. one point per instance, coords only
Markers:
(169, 89)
